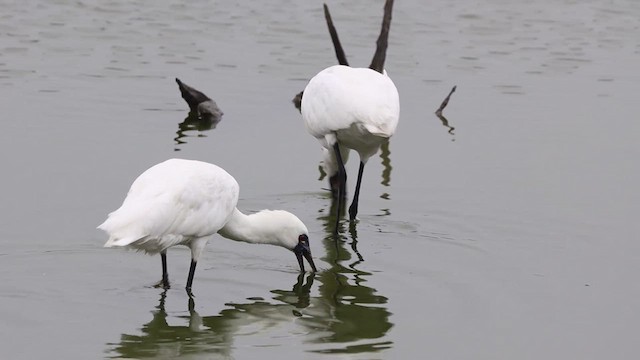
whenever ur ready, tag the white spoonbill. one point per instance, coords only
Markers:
(185, 202)
(352, 108)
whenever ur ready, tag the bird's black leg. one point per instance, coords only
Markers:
(192, 270)
(342, 188)
(353, 209)
(165, 274)
(334, 185)
(164, 283)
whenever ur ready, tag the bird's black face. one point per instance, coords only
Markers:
(303, 249)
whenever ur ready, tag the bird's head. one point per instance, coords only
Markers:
(287, 230)
(295, 236)
(303, 249)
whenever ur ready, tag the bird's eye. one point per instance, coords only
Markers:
(303, 238)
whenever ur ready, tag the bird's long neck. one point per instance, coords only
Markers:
(245, 228)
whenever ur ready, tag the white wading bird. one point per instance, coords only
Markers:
(185, 202)
(352, 108)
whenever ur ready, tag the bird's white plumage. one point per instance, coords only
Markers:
(358, 107)
(173, 203)
(275, 227)
(184, 202)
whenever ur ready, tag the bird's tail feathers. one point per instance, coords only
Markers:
(122, 231)
(381, 130)
(115, 241)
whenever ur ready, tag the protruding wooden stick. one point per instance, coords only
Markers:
(445, 101)
(342, 58)
(377, 63)
(444, 120)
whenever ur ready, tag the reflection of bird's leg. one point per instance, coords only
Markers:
(195, 320)
(299, 283)
(353, 209)
(334, 213)
(307, 287)
(354, 243)
(163, 296)
(164, 283)
(301, 291)
(342, 189)
(386, 163)
(334, 185)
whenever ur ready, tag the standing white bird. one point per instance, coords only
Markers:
(185, 202)
(352, 108)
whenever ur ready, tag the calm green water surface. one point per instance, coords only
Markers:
(510, 232)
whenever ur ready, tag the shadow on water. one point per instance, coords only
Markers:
(346, 317)
(194, 123)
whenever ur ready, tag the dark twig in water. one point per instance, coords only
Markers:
(192, 96)
(199, 103)
(444, 120)
(204, 113)
(445, 101)
(297, 100)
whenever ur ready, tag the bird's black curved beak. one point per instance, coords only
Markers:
(303, 249)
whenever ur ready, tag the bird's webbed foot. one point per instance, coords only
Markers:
(162, 284)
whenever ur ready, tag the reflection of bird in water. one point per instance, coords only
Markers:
(386, 163)
(299, 296)
(211, 334)
(158, 338)
(348, 310)
(184, 202)
(352, 108)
